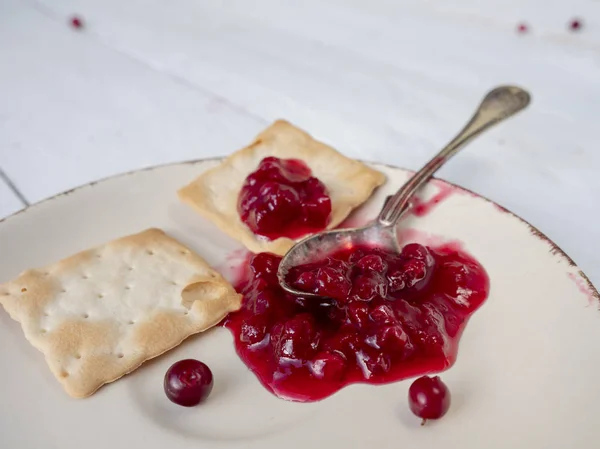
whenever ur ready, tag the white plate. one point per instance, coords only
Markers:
(526, 374)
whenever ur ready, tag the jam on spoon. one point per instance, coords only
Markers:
(499, 104)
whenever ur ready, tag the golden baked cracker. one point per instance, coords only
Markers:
(101, 313)
(214, 194)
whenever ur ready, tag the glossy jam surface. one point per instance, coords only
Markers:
(384, 317)
(282, 199)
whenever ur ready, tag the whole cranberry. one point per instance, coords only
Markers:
(429, 398)
(188, 382)
(76, 22)
(575, 24)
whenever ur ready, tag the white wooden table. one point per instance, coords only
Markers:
(150, 82)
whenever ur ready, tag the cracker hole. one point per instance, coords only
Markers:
(43, 331)
(78, 356)
(130, 268)
(85, 316)
(85, 276)
(64, 374)
(186, 312)
(62, 290)
(46, 273)
(6, 293)
(120, 355)
(127, 287)
(184, 252)
(150, 252)
(23, 290)
(131, 322)
(100, 295)
(46, 314)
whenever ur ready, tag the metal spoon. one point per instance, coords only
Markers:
(498, 104)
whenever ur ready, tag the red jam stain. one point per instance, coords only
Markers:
(584, 288)
(234, 265)
(422, 207)
(428, 239)
(282, 199)
(389, 317)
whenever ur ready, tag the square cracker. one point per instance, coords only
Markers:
(101, 313)
(214, 194)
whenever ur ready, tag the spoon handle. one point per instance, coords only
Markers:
(498, 104)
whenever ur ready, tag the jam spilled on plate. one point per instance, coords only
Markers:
(282, 199)
(384, 317)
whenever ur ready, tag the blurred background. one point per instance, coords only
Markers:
(90, 88)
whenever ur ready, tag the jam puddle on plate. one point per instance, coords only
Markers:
(389, 317)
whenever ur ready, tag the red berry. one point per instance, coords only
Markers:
(575, 24)
(188, 382)
(522, 28)
(76, 22)
(429, 398)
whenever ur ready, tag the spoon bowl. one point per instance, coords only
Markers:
(499, 104)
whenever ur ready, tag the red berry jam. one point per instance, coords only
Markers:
(282, 199)
(383, 317)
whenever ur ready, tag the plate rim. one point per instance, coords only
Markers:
(554, 248)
